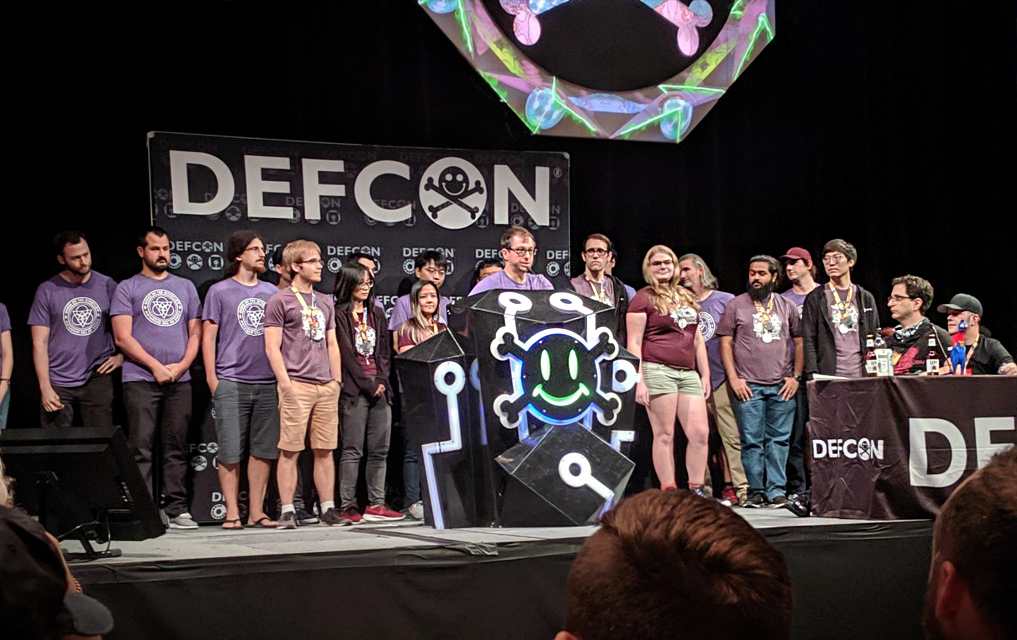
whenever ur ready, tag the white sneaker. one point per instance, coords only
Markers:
(416, 510)
(183, 521)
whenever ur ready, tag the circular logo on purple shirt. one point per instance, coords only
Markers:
(82, 316)
(162, 308)
(251, 316)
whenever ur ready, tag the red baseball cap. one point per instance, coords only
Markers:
(797, 253)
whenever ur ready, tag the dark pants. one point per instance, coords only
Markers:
(798, 480)
(411, 466)
(164, 410)
(94, 402)
(369, 426)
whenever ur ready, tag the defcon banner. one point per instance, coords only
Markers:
(391, 203)
(897, 447)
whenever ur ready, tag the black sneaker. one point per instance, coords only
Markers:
(333, 518)
(755, 501)
(778, 502)
(305, 517)
(701, 492)
(801, 506)
(287, 520)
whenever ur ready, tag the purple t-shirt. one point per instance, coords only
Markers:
(239, 312)
(161, 310)
(849, 350)
(762, 341)
(799, 300)
(500, 280)
(710, 312)
(5, 325)
(306, 358)
(77, 316)
(401, 311)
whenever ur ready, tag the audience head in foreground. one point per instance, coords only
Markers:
(974, 557)
(669, 564)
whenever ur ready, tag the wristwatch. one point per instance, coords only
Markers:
(797, 377)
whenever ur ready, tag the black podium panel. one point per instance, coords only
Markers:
(572, 469)
(532, 360)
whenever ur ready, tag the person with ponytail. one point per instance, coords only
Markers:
(663, 333)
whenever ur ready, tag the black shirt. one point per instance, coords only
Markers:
(989, 356)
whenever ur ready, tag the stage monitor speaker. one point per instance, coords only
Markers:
(82, 483)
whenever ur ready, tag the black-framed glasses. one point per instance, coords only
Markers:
(524, 251)
(596, 252)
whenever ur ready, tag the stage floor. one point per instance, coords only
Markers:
(851, 579)
(212, 542)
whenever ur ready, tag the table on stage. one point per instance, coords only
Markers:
(896, 447)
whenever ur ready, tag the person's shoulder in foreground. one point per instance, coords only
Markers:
(670, 564)
(971, 587)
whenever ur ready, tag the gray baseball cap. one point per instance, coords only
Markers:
(961, 302)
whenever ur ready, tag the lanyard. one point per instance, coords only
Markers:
(601, 295)
(971, 352)
(842, 307)
(764, 315)
(313, 328)
(364, 330)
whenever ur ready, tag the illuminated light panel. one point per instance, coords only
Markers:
(454, 443)
(588, 112)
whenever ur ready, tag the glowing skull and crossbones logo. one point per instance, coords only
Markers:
(556, 373)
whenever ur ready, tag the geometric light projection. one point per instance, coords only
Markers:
(616, 69)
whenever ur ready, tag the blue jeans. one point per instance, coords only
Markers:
(764, 421)
(5, 406)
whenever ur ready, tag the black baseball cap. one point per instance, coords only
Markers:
(34, 600)
(961, 302)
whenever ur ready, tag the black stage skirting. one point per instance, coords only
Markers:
(851, 580)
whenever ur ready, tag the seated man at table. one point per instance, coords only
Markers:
(670, 564)
(982, 355)
(518, 250)
(915, 337)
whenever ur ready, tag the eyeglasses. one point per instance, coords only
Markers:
(260, 250)
(596, 252)
(368, 284)
(834, 258)
(318, 261)
(896, 298)
(662, 263)
(434, 271)
(523, 251)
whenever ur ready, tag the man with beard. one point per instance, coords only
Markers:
(756, 334)
(518, 249)
(157, 325)
(696, 276)
(595, 283)
(910, 299)
(837, 318)
(974, 563)
(72, 342)
(241, 379)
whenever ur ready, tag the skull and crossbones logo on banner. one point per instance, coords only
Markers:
(453, 193)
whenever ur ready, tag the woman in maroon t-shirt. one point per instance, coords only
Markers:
(424, 320)
(663, 332)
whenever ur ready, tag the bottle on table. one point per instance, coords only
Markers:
(870, 356)
(884, 357)
(932, 357)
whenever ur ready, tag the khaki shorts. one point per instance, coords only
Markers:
(661, 379)
(309, 406)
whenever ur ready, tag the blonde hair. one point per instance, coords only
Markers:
(297, 251)
(665, 295)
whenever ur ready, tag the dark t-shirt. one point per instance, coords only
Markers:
(668, 339)
(364, 338)
(304, 338)
(911, 347)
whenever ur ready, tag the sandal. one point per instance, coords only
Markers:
(259, 523)
(236, 520)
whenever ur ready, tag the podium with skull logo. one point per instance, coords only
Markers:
(522, 422)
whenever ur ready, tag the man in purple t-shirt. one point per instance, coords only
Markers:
(756, 333)
(697, 277)
(518, 249)
(430, 265)
(6, 364)
(301, 345)
(801, 273)
(72, 342)
(157, 325)
(241, 379)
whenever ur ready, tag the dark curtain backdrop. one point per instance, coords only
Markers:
(890, 124)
